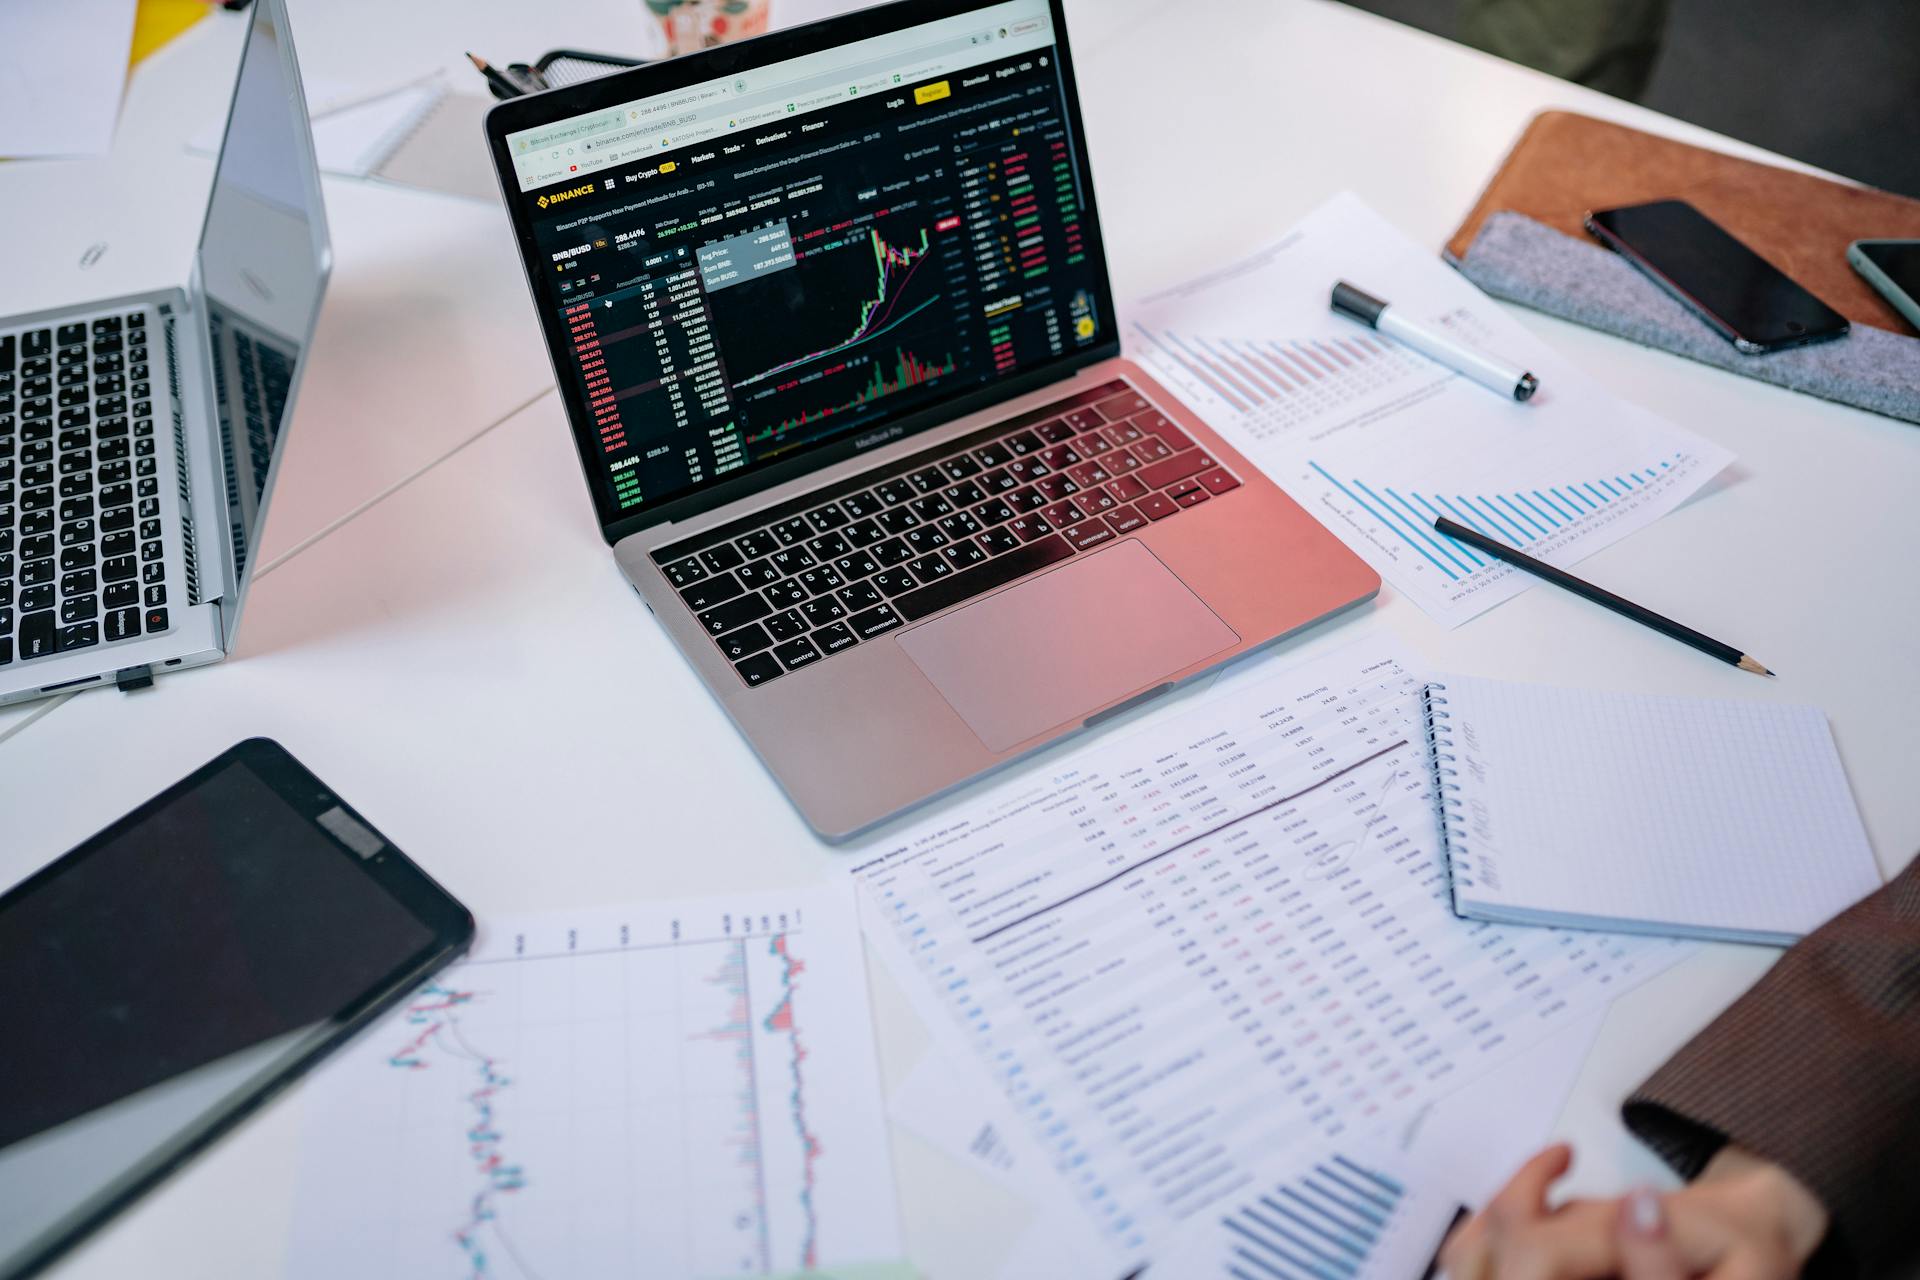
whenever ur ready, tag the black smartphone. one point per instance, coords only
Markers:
(1751, 302)
(172, 973)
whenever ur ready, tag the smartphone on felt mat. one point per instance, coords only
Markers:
(172, 973)
(1748, 300)
(1892, 267)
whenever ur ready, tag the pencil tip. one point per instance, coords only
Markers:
(1748, 664)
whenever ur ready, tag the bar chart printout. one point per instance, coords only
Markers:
(673, 1089)
(1224, 936)
(1378, 441)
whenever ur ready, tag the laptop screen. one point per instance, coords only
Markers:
(749, 268)
(262, 267)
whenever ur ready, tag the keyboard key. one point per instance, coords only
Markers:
(863, 533)
(960, 466)
(1120, 434)
(960, 525)
(756, 671)
(997, 542)
(892, 552)
(156, 595)
(1054, 488)
(1156, 506)
(823, 610)
(79, 636)
(684, 573)
(895, 492)
(716, 589)
(833, 638)
(717, 559)
(993, 455)
(76, 509)
(999, 481)
(36, 342)
(1061, 514)
(1124, 519)
(1217, 481)
(114, 544)
(737, 612)
(1027, 470)
(1160, 425)
(1150, 449)
(828, 518)
(1088, 474)
(859, 596)
(931, 507)
(1092, 445)
(6, 650)
(120, 595)
(122, 624)
(757, 544)
(1190, 497)
(995, 573)
(797, 654)
(895, 582)
(80, 582)
(875, 621)
(1123, 406)
(785, 594)
(1178, 467)
(787, 625)
(1088, 534)
(964, 494)
(117, 569)
(38, 635)
(35, 572)
(928, 568)
(820, 579)
(152, 572)
(829, 546)
(1022, 443)
(791, 560)
(858, 565)
(1025, 500)
(964, 555)
(1094, 501)
(70, 334)
(1126, 488)
(1054, 431)
(924, 539)
(149, 507)
(928, 481)
(1031, 528)
(898, 520)
(993, 511)
(79, 609)
(748, 640)
(156, 621)
(859, 506)
(792, 532)
(1061, 455)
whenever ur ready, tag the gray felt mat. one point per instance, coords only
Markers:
(1524, 261)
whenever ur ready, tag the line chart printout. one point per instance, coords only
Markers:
(678, 1089)
(1377, 440)
(1222, 937)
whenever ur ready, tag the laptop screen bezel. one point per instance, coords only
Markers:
(556, 105)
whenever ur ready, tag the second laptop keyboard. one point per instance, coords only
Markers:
(818, 577)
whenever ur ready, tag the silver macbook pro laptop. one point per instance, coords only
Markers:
(830, 314)
(139, 435)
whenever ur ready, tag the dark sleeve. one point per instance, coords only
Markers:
(1817, 1069)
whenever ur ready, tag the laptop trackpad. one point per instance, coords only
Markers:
(1055, 648)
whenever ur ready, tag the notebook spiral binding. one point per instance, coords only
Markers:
(1446, 787)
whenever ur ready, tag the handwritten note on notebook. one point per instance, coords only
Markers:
(1692, 816)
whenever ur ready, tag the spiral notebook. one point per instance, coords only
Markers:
(1689, 817)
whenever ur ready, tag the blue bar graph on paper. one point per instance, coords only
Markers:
(1406, 515)
(1322, 1224)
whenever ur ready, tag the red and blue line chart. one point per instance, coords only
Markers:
(673, 1089)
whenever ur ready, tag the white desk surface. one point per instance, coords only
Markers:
(461, 657)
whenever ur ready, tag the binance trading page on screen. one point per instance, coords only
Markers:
(745, 268)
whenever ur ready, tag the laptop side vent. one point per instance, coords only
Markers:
(188, 547)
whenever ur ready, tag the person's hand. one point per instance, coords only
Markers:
(1742, 1219)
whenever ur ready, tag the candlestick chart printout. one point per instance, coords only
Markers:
(1378, 441)
(1223, 937)
(664, 1090)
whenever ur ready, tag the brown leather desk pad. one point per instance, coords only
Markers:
(1567, 164)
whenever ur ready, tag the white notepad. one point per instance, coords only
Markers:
(1683, 816)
